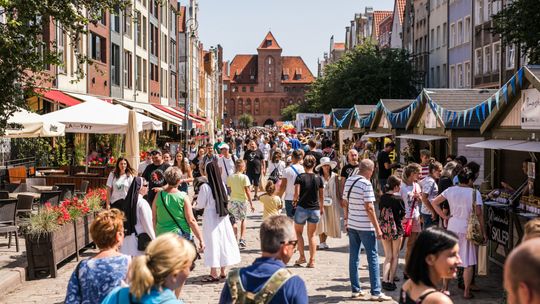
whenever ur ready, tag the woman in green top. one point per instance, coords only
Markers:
(172, 211)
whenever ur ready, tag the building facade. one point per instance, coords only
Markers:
(396, 37)
(263, 84)
(385, 32)
(438, 47)
(460, 43)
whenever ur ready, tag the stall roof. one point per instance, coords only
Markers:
(495, 144)
(458, 99)
(339, 114)
(364, 110)
(396, 104)
(375, 135)
(422, 137)
(528, 146)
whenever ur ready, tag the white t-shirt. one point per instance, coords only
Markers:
(226, 165)
(290, 175)
(119, 186)
(361, 192)
(460, 202)
(265, 149)
(280, 165)
(407, 192)
(429, 187)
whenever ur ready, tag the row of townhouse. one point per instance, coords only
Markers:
(450, 41)
(148, 53)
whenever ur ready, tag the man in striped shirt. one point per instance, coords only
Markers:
(363, 228)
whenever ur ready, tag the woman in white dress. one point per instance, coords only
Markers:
(138, 214)
(119, 181)
(330, 224)
(221, 247)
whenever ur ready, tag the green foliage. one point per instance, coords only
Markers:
(289, 112)
(31, 147)
(25, 52)
(60, 156)
(245, 120)
(363, 76)
(518, 24)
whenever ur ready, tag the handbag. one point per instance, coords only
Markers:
(474, 231)
(407, 226)
(182, 234)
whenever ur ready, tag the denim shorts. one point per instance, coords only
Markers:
(302, 215)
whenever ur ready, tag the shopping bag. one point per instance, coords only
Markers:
(482, 260)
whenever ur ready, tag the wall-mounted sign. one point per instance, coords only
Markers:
(530, 109)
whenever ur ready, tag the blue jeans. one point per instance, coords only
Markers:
(356, 238)
(428, 221)
(289, 209)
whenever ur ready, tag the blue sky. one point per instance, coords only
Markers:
(301, 27)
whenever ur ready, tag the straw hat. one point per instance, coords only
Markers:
(326, 161)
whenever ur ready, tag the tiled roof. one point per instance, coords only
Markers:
(225, 71)
(339, 45)
(400, 5)
(458, 99)
(244, 69)
(271, 45)
(378, 17)
(395, 105)
(293, 66)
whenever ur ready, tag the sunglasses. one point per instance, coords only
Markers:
(290, 243)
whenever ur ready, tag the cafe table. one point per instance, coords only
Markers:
(52, 171)
(34, 194)
(42, 188)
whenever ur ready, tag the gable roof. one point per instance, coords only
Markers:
(341, 117)
(242, 68)
(295, 65)
(378, 17)
(394, 105)
(400, 6)
(272, 45)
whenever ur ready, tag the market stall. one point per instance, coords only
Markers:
(512, 188)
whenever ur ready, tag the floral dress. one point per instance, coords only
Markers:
(392, 213)
(94, 278)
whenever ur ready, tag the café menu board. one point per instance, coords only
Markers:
(498, 225)
(530, 109)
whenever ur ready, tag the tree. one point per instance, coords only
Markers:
(363, 76)
(245, 120)
(518, 24)
(289, 112)
(26, 49)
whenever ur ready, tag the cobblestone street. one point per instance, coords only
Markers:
(327, 283)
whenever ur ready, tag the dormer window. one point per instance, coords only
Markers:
(268, 43)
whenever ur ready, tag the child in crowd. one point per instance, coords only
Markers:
(271, 202)
(240, 195)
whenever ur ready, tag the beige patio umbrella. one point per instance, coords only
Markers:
(132, 141)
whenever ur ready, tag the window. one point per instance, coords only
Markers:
(103, 17)
(76, 48)
(487, 59)
(432, 40)
(478, 58)
(164, 14)
(172, 53)
(115, 21)
(154, 72)
(251, 89)
(460, 76)
(452, 77)
(438, 35)
(128, 69)
(172, 19)
(452, 35)
(459, 32)
(138, 74)
(144, 35)
(138, 28)
(468, 74)
(115, 64)
(144, 75)
(154, 37)
(127, 21)
(510, 56)
(172, 86)
(479, 12)
(164, 47)
(154, 8)
(243, 89)
(496, 56)
(443, 76)
(61, 43)
(99, 48)
(467, 30)
(269, 84)
(163, 84)
(438, 77)
(432, 78)
(444, 34)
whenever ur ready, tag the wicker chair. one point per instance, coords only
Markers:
(8, 217)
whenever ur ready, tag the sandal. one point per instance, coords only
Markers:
(311, 264)
(210, 279)
(299, 262)
(468, 297)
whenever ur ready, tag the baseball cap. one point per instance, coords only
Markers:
(224, 146)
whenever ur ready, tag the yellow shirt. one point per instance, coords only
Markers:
(238, 183)
(272, 205)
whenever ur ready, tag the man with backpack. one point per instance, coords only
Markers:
(267, 280)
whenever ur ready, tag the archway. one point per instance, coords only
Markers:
(269, 122)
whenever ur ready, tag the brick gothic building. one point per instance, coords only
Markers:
(263, 84)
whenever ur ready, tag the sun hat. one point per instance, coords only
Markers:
(326, 161)
(224, 146)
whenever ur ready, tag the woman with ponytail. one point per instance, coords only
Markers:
(155, 276)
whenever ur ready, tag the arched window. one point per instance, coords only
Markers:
(232, 105)
(248, 106)
(257, 106)
(240, 106)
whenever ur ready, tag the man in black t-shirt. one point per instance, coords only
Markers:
(318, 155)
(255, 165)
(385, 163)
(155, 175)
(348, 169)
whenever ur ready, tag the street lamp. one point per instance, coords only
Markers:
(191, 25)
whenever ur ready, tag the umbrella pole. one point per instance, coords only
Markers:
(85, 158)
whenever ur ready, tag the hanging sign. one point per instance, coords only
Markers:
(530, 109)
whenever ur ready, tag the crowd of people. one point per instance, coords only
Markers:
(149, 238)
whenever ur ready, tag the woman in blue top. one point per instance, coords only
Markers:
(154, 276)
(94, 278)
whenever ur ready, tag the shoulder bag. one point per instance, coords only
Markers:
(182, 234)
(474, 231)
(407, 226)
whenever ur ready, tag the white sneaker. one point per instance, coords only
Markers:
(380, 298)
(322, 246)
(358, 295)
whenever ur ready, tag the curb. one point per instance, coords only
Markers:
(11, 280)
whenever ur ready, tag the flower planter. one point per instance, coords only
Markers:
(45, 252)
